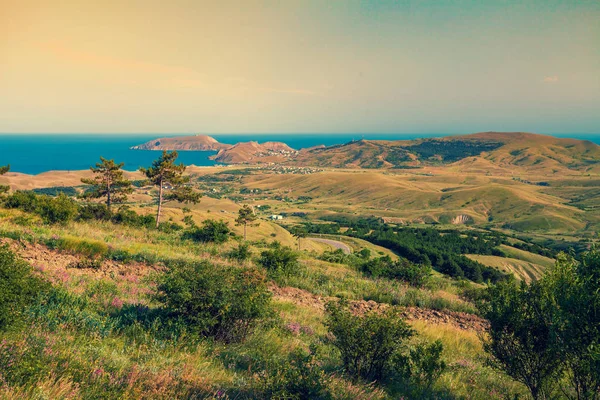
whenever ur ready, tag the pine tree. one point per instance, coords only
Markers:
(108, 182)
(163, 172)
(299, 233)
(245, 216)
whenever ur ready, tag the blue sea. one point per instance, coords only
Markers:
(36, 153)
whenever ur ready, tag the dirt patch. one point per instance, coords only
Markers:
(460, 320)
(50, 261)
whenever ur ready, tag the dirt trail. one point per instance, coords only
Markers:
(334, 243)
(460, 320)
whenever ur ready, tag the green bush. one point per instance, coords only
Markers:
(57, 210)
(368, 343)
(404, 270)
(240, 253)
(210, 231)
(221, 302)
(338, 256)
(299, 377)
(18, 287)
(60, 209)
(22, 200)
(280, 261)
(423, 365)
(94, 211)
(126, 216)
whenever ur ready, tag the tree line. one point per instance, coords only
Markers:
(111, 186)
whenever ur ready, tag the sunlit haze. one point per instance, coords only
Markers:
(299, 66)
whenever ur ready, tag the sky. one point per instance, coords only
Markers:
(250, 66)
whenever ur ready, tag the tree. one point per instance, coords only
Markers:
(108, 182)
(550, 329)
(245, 216)
(164, 172)
(299, 233)
(3, 170)
(520, 341)
(573, 290)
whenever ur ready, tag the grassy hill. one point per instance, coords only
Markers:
(95, 338)
(501, 150)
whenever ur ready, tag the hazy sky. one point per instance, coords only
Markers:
(299, 66)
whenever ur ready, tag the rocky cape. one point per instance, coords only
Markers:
(184, 143)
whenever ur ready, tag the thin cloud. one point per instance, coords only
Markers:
(551, 79)
(105, 61)
(249, 85)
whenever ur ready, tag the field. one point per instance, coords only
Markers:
(509, 200)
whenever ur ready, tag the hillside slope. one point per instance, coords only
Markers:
(501, 150)
(254, 152)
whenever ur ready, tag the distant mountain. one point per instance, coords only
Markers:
(480, 150)
(185, 143)
(540, 152)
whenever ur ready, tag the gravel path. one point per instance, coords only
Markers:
(334, 243)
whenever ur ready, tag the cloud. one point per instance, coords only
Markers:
(250, 85)
(551, 79)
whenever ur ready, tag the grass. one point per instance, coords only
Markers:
(522, 270)
(99, 337)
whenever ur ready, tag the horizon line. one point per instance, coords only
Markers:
(298, 133)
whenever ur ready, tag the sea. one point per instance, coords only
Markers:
(37, 153)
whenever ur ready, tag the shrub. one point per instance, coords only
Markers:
(210, 231)
(126, 216)
(169, 227)
(94, 211)
(241, 253)
(221, 302)
(60, 209)
(368, 342)
(299, 377)
(423, 365)
(413, 274)
(18, 286)
(338, 256)
(280, 261)
(22, 200)
(57, 210)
